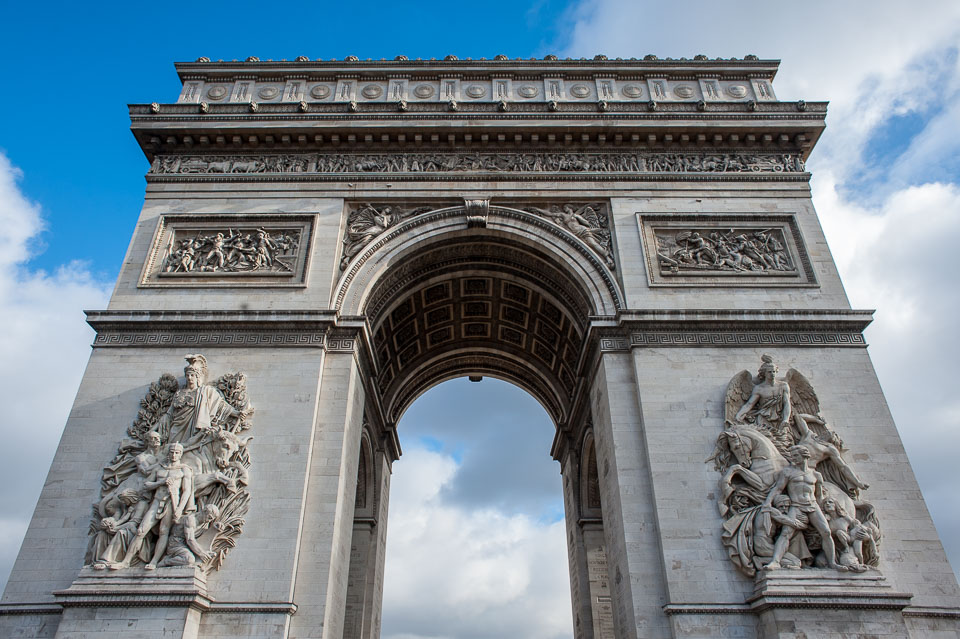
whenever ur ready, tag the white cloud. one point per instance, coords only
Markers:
(468, 572)
(44, 346)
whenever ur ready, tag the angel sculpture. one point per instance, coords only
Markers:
(366, 223)
(770, 424)
(584, 223)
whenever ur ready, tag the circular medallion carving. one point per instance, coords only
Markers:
(476, 91)
(320, 91)
(683, 91)
(737, 91)
(632, 91)
(528, 91)
(371, 91)
(268, 93)
(423, 91)
(217, 93)
(579, 90)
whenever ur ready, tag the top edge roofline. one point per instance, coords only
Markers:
(413, 66)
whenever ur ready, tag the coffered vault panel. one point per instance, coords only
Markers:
(486, 302)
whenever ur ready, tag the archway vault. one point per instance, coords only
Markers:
(510, 298)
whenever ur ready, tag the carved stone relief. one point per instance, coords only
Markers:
(741, 250)
(192, 250)
(480, 162)
(368, 221)
(787, 496)
(588, 222)
(176, 492)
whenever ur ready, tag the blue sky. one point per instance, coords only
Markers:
(886, 185)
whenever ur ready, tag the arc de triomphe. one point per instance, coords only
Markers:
(631, 242)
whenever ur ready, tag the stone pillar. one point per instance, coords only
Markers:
(323, 562)
(359, 597)
(601, 603)
(629, 516)
(576, 553)
(374, 610)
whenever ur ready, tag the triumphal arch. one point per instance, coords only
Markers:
(631, 242)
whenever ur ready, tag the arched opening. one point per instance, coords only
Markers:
(512, 299)
(477, 534)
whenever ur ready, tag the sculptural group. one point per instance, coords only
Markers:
(788, 497)
(733, 250)
(235, 251)
(175, 494)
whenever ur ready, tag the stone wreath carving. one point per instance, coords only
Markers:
(236, 252)
(586, 222)
(725, 250)
(480, 162)
(369, 221)
(176, 492)
(787, 496)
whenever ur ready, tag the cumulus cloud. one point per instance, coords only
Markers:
(44, 345)
(465, 572)
(475, 546)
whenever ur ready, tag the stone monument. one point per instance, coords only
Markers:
(325, 240)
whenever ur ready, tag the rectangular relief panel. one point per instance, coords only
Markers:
(229, 251)
(725, 250)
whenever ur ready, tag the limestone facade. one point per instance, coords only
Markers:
(618, 238)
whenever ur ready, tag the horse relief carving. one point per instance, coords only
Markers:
(787, 496)
(176, 492)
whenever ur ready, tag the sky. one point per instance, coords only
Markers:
(886, 184)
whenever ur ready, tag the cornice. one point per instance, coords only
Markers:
(600, 64)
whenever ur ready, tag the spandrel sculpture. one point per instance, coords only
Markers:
(176, 492)
(587, 222)
(787, 496)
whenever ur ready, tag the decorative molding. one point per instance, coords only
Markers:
(253, 607)
(30, 609)
(706, 609)
(341, 341)
(226, 329)
(744, 338)
(931, 612)
(208, 337)
(614, 344)
(223, 250)
(724, 250)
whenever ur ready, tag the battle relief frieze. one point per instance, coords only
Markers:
(481, 162)
(724, 250)
(788, 497)
(175, 493)
(221, 250)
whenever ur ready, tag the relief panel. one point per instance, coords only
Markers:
(229, 250)
(727, 250)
